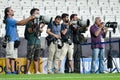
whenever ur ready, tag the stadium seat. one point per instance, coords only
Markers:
(82, 3)
(118, 19)
(48, 3)
(26, 11)
(2, 30)
(42, 10)
(84, 11)
(110, 18)
(2, 12)
(3, 3)
(92, 3)
(61, 10)
(103, 3)
(114, 3)
(95, 10)
(50, 11)
(70, 2)
(72, 10)
(116, 10)
(17, 11)
(25, 3)
(60, 3)
(107, 11)
(14, 3)
(37, 3)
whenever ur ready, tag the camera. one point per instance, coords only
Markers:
(5, 41)
(4, 45)
(59, 43)
(111, 25)
(43, 19)
(82, 23)
(39, 19)
(69, 42)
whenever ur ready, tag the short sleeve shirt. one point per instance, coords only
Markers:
(32, 39)
(11, 29)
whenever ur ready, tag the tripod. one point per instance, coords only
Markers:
(109, 56)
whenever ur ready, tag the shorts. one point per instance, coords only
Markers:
(11, 52)
(67, 49)
(33, 52)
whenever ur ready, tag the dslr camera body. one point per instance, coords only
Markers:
(59, 44)
(5, 41)
(111, 25)
(69, 41)
(39, 19)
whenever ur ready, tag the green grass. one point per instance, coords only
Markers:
(108, 76)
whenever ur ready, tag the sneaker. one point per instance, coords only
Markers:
(8, 72)
(37, 73)
(72, 71)
(28, 72)
(57, 72)
(14, 72)
(103, 72)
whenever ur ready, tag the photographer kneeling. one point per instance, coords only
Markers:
(54, 44)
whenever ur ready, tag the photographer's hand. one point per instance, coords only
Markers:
(57, 36)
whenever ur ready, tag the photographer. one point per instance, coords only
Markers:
(33, 42)
(12, 38)
(97, 32)
(77, 39)
(55, 44)
(67, 39)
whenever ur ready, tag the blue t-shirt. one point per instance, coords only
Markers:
(56, 29)
(11, 29)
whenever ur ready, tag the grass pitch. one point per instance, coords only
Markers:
(108, 76)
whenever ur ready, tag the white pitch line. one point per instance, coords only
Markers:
(88, 77)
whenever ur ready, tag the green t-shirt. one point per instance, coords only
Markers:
(32, 39)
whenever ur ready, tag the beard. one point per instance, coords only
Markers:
(13, 14)
(66, 21)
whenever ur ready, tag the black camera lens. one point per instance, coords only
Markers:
(4, 45)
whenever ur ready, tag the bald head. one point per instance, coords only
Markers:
(98, 21)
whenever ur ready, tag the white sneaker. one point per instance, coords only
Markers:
(28, 72)
(37, 73)
(104, 72)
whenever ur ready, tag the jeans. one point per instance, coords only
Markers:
(97, 52)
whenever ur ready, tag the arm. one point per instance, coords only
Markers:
(64, 29)
(98, 32)
(50, 33)
(41, 27)
(25, 21)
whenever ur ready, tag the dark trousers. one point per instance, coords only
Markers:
(67, 65)
(76, 56)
